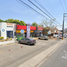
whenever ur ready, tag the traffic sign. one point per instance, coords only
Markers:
(49, 32)
(22, 31)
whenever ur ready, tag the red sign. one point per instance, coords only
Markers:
(21, 27)
(32, 28)
(40, 28)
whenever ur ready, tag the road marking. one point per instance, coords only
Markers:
(64, 57)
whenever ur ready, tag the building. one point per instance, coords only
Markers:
(34, 31)
(7, 30)
(21, 27)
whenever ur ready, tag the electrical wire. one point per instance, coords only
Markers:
(39, 9)
(65, 5)
(62, 6)
(32, 8)
(43, 8)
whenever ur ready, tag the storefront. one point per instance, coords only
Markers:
(7, 30)
(38, 32)
(21, 27)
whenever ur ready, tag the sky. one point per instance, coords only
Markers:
(15, 9)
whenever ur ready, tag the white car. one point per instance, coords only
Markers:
(55, 35)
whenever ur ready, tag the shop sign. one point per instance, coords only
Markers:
(28, 31)
(40, 28)
(22, 31)
(10, 25)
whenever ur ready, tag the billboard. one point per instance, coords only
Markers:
(28, 31)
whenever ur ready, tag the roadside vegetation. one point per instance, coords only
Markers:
(7, 39)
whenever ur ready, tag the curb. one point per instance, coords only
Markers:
(33, 62)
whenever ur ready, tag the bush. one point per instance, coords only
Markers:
(1, 38)
(7, 37)
(10, 38)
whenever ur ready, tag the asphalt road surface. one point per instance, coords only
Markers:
(57, 59)
(17, 54)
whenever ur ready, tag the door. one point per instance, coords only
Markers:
(10, 34)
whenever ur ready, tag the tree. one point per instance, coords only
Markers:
(2, 20)
(15, 21)
(48, 23)
(22, 23)
(34, 24)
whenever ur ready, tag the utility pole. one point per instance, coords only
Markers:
(64, 15)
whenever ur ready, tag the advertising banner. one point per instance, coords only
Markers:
(28, 31)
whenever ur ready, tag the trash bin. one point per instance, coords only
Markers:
(19, 38)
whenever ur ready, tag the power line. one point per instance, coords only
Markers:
(32, 8)
(39, 9)
(62, 5)
(65, 4)
(43, 8)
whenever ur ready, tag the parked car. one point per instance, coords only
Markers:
(55, 35)
(43, 37)
(64, 35)
(60, 36)
(27, 41)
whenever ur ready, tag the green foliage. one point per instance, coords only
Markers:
(14, 21)
(7, 37)
(10, 38)
(2, 20)
(46, 28)
(34, 24)
(1, 38)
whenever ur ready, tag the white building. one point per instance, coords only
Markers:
(7, 30)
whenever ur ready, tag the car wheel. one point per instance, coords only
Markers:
(19, 42)
(39, 38)
(28, 43)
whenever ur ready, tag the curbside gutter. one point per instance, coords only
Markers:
(33, 62)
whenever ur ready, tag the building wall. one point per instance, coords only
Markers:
(0, 29)
(3, 30)
(7, 28)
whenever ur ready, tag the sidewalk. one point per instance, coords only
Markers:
(7, 42)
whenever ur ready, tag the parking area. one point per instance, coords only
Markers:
(14, 51)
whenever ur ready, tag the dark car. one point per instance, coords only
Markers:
(27, 41)
(43, 37)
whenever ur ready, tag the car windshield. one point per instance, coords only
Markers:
(31, 38)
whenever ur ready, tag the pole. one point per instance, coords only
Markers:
(63, 26)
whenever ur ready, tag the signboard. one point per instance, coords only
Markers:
(22, 31)
(49, 32)
(40, 28)
(28, 31)
(3, 30)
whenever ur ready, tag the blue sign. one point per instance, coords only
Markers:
(3, 30)
(49, 32)
(22, 31)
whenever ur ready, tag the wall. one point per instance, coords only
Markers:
(3, 30)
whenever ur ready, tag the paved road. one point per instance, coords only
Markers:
(57, 59)
(18, 55)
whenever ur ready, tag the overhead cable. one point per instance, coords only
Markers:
(40, 9)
